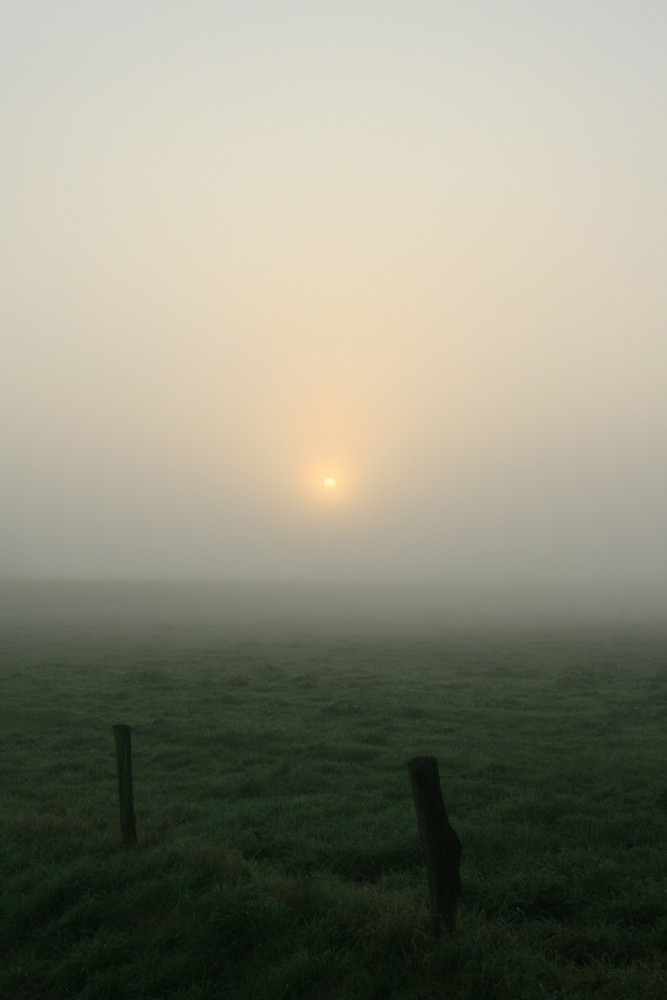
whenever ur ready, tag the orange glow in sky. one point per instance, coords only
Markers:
(418, 249)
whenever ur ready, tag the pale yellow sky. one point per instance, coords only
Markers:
(419, 247)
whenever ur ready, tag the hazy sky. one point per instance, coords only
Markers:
(419, 247)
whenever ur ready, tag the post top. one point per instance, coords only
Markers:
(417, 763)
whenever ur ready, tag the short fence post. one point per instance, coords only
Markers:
(128, 826)
(440, 842)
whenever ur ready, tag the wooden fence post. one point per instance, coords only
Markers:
(128, 826)
(440, 842)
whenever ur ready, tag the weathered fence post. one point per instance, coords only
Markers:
(128, 826)
(440, 842)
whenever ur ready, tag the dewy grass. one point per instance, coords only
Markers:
(278, 854)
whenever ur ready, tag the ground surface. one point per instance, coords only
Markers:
(278, 855)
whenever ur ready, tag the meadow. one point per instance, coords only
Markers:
(277, 853)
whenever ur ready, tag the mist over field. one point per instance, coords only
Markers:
(419, 250)
(321, 607)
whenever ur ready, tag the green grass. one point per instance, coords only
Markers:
(278, 855)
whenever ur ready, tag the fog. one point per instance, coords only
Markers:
(417, 248)
(192, 610)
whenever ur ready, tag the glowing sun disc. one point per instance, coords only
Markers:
(330, 482)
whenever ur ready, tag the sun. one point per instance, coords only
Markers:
(328, 483)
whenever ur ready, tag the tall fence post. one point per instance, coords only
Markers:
(128, 826)
(440, 842)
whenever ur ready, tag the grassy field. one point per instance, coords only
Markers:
(278, 854)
